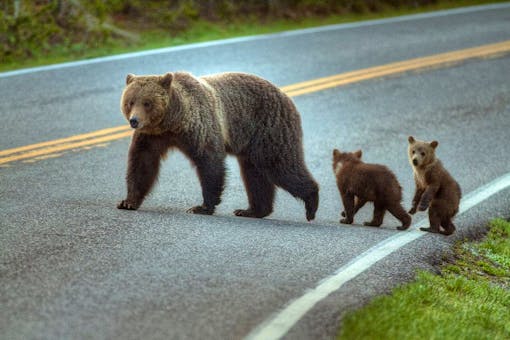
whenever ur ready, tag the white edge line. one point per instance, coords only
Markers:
(280, 323)
(130, 55)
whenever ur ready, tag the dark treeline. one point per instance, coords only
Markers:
(32, 27)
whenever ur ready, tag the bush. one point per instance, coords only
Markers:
(34, 28)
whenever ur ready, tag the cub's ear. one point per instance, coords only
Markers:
(411, 140)
(130, 77)
(358, 154)
(336, 153)
(166, 80)
(434, 144)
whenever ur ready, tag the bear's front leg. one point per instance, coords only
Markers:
(211, 173)
(358, 204)
(143, 167)
(348, 201)
(427, 196)
(416, 199)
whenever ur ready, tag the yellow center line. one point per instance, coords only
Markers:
(119, 132)
(64, 140)
(394, 68)
(65, 146)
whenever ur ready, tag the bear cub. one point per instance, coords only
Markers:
(359, 182)
(435, 187)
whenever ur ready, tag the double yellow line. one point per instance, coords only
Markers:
(438, 60)
(57, 146)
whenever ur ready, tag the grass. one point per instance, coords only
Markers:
(470, 299)
(202, 30)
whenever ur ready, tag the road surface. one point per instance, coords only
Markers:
(73, 266)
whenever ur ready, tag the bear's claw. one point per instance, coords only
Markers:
(244, 213)
(251, 213)
(125, 204)
(430, 230)
(345, 221)
(371, 224)
(201, 210)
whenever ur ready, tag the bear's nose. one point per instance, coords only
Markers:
(133, 122)
(415, 161)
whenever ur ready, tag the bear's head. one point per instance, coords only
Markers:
(145, 102)
(340, 158)
(421, 153)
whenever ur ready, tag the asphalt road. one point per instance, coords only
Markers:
(73, 266)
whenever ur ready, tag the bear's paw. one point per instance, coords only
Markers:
(127, 205)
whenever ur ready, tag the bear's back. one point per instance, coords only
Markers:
(371, 181)
(258, 115)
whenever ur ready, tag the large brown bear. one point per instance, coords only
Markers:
(360, 182)
(206, 118)
(436, 189)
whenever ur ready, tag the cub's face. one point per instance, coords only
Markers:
(145, 101)
(340, 158)
(421, 153)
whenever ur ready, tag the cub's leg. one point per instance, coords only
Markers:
(259, 188)
(358, 204)
(399, 212)
(211, 173)
(378, 217)
(434, 220)
(348, 201)
(448, 226)
(416, 200)
(143, 166)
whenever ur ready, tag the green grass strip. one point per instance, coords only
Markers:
(470, 299)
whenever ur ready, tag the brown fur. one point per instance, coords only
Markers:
(360, 182)
(208, 117)
(435, 187)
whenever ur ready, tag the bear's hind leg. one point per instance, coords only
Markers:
(260, 191)
(434, 220)
(399, 212)
(378, 218)
(299, 183)
(448, 226)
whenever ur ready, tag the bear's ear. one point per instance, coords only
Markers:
(358, 154)
(336, 153)
(130, 77)
(166, 80)
(411, 140)
(434, 144)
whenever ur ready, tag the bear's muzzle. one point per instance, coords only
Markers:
(133, 122)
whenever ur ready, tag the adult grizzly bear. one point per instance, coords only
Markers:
(206, 118)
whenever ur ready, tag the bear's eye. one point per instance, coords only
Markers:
(414, 152)
(423, 153)
(130, 104)
(147, 105)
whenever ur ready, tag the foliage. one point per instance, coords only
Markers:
(34, 32)
(41, 25)
(30, 29)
